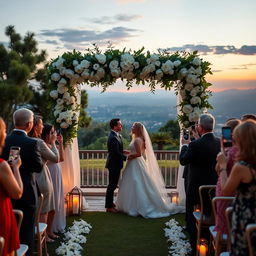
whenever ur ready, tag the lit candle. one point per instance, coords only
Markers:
(75, 204)
(202, 250)
(174, 199)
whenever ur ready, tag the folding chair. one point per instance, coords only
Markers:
(23, 247)
(250, 232)
(1, 245)
(204, 217)
(218, 239)
(40, 229)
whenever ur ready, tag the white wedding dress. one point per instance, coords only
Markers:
(142, 190)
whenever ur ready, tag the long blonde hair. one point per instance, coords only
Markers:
(2, 134)
(139, 131)
(245, 138)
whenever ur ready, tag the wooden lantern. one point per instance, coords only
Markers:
(75, 201)
(203, 247)
(175, 197)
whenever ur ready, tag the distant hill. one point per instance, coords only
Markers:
(155, 109)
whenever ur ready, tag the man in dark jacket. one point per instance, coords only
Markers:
(114, 162)
(31, 163)
(200, 155)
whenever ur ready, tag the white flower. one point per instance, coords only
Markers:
(54, 94)
(56, 113)
(96, 66)
(193, 92)
(59, 63)
(85, 74)
(198, 71)
(189, 86)
(183, 94)
(128, 58)
(113, 64)
(159, 74)
(55, 77)
(183, 72)
(62, 89)
(136, 65)
(62, 81)
(176, 63)
(187, 109)
(60, 101)
(79, 69)
(101, 58)
(196, 61)
(64, 125)
(75, 63)
(116, 72)
(69, 73)
(85, 64)
(193, 117)
(195, 100)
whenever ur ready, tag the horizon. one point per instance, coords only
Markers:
(176, 25)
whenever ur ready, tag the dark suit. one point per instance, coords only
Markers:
(31, 162)
(114, 164)
(200, 155)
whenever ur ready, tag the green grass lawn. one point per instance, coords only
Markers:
(122, 235)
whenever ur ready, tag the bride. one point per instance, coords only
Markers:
(142, 189)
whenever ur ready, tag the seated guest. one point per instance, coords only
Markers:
(58, 223)
(10, 187)
(242, 182)
(44, 179)
(248, 116)
(31, 163)
(221, 224)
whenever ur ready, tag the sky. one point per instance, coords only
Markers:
(223, 32)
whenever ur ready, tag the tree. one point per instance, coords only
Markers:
(172, 127)
(18, 64)
(161, 139)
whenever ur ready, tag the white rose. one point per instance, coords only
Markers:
(56, 113)
(85, 63)
(59, 63)
(113, 64)
(75, 63)
(58, 120)
(195, 100)
(198, 110)
(187, 109)
(59, 107)
(176, 63)
(189, 86)
(198, 71)
(54, 94)
(101, 72)
(101, 58)
(193, 117)
(157, 63)
(66, 96)
(72, 100)
(196, 61)
(64, 125)
(193, 92)
(96, 66)
(190, 78)
(62, 81)
(55, 77)
(62, 71)
(127, 58)
(116, 72)
(183, 72)
(136, 65)
(159, 74)
(85, 74)
(62, 89)
(79, 69)
(196, 80)
(183, 94)
(60, 101)
(69, 73)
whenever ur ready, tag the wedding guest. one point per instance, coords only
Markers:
(31, 163)
(11, 186)
(200, 154)
(58, 223)
(44, 179)
(220, 222)
(248, 116)
(242, 182)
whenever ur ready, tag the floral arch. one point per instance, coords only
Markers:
(185, 72)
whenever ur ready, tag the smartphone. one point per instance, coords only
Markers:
(14, 153)
(193, 127)
(227, 136)
(58, 131)
(186, 134)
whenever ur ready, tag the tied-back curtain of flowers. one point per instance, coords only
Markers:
(185, 72)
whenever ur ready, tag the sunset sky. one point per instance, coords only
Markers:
(222, 31)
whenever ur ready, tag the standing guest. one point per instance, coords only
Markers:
(31, 163)
(242, 181)
(200, 155)
(220, 222)
(44, 179)
(248, 116)
(114, 162)
(11, 186)
(58, 223)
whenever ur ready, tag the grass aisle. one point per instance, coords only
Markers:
(121, 235)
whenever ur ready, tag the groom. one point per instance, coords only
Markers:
(114, 162)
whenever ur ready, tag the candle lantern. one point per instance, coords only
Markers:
(75, 201)
(66, 206)
(203, 247)
(175, 197)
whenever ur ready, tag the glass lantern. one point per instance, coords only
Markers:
(75, 201)
(175, 197)
(203, 247)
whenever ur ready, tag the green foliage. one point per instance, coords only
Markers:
(161, 139)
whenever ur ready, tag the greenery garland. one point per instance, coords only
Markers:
(185, 72)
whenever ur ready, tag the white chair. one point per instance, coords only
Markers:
(23, 247)
(1, 245)
(249, 231)
(218, 239)
(40, 230)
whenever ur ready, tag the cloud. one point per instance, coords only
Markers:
(115, 19)
(51, 42)
(244, 66)
(5, 44)
(217, 49)
(84, 36)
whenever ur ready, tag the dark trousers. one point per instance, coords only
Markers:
(27, 229)
(114, 175)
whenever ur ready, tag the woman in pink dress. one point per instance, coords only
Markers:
(11, 187)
